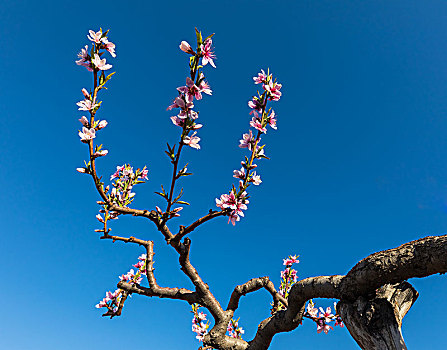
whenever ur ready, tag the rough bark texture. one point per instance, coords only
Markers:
(375, 321)
(420, 258)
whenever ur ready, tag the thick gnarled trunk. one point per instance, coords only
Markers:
(375, 321)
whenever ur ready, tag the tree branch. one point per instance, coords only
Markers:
(170, 293)
(185, 230)
(420, 258)
(125, 239)
(207, 299)
(251, 286)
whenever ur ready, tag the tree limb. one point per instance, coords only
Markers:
(420, 258)
(251, 286)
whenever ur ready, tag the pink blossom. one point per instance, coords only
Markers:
(192, 141)
(177, 121)
(179, 102)
(236, 204)
(84, 121)
(207, 54)
(205, 87)
(102, 124)
(199, 327)
(250, 167)
(101, 304)
(239, 174)
(86, 94)
(291, 260)
(227, 201)
(109, 46)
(272, 120)
(327, 315)
(100, 218)
(144, 173)
(95, 37)
(201, 316)
(255, 103)
(256, 179)
(101, 153)
(233, 217)
(142, 257)
(311, 310)
(185, 47)
(139, 264)
(256, 123)
(87, 134)
(322, 326)
(81, 170)
(84, 59)
(190, 90)
(261, 78)
(247, 140)
(100, 63)
(86, 105)
(273, 89)
(128, 276)
(116, 173)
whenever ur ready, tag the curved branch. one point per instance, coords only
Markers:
(251, 286)
(185, 230)
(420, 258)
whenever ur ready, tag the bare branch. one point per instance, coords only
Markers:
(185, 230)
(207, 298)
(251, 286)
(125, 239)
(171, 293)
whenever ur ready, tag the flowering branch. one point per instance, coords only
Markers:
(186, 117)
(237, 200)
(414, 259)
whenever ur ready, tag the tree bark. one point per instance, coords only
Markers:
(375, 321)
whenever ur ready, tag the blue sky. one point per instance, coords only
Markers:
(357, 164)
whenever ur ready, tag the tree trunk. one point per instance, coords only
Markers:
(375, 321)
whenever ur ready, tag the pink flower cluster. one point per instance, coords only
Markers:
(93, 60)
(203, 50)
(234, 331)
(198, 323)
(125, 179)
(192, 90)
(323, 318)
(236, 200)
(112, 300)
(288, 276)
(269, 85)
(88, 131)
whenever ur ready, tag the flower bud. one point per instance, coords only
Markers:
(185, 47)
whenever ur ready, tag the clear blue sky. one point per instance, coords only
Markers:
(358, 163)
